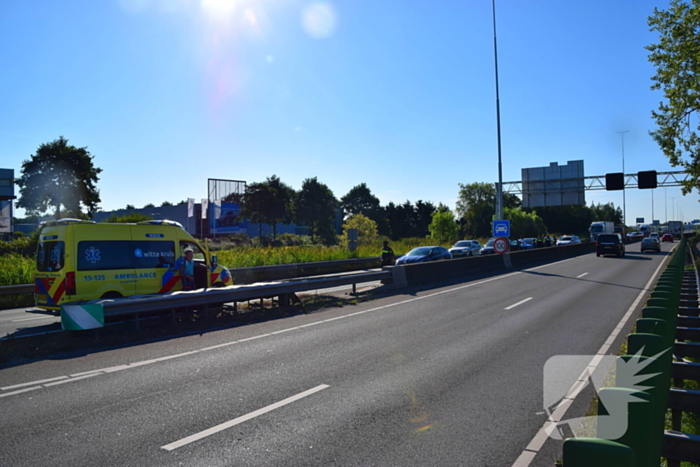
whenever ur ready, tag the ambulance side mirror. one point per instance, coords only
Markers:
(214, 260)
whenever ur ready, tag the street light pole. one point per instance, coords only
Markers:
(624, 200)
(665, 207)
(499, 189)
(673, 206)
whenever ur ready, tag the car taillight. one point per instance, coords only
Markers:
(597, 244)
(70, 283)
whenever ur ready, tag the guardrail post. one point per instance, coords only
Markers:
(587, 452)
(631, 411)
(627, 372)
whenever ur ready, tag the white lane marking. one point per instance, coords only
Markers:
(70, 380)
(529, 453)
(20, 391)
(32, 318)
(581, 275)
(357, 313)
(41, 381)
(519, 303)
(244, 418)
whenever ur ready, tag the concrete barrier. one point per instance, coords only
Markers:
(286, 271)
(425, 273)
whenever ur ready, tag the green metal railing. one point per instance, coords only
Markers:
(652, 347)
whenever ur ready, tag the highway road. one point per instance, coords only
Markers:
(29, 321)
(446, 376)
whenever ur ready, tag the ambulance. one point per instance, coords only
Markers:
(79, 260)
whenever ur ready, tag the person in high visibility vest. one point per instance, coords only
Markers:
(186, 266)
(387, 254)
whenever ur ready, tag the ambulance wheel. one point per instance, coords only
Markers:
(219, 284)
(112, 295)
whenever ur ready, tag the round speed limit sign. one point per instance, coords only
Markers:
(501, 245)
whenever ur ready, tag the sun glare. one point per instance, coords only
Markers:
(219, 8)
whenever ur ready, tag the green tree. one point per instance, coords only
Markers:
(476, 207)
(366, 229)
(677, 60)
(524, 224)
(269, 202)
(316, 207)
(149, 205)
(280, 207)
(424, 211)
(359, 200)
(59, 175)
(257, 196)
(168, 203)
(129, 207)
(129, 218)
(606, 212)
(443, 228)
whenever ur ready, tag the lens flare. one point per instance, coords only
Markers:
(319, 20)
(424, 428)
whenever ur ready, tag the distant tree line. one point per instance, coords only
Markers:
(62, 177)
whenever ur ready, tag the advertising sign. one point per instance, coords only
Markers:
(5, 216)
(226, 219)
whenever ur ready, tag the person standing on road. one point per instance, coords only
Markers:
(387, 254)
(186, 266)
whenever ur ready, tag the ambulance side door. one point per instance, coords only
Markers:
(155, 265)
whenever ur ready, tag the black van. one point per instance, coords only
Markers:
(609, 244)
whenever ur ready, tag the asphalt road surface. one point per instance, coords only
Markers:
(29, 321)
(446, 376)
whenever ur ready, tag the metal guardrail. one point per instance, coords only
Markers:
(16, 289)
(309, 269)
(234, 293)
(665, 321)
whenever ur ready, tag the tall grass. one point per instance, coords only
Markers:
(247, 256)
(16, 269)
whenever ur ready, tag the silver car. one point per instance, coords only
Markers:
(465, 248)
(568, 240)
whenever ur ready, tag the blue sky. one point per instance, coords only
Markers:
(397, 94)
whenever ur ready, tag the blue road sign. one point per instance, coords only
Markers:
(501, 228)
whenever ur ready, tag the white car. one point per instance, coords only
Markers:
(568, 240)
(654, 235)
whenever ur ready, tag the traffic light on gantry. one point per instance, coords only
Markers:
(647, 179)
(615, 181)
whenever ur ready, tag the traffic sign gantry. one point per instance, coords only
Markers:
(501, 245)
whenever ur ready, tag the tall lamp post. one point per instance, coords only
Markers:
(499, 189)
(624, 200)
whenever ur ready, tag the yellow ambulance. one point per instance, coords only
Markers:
(80, 260)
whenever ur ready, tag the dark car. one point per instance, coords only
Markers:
(514, 245)
(651, 244)
(528, 243)
(487, 249)
(667, 238)
(609, 244)
(423, 254)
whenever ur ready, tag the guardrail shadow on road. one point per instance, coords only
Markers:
(581, 279)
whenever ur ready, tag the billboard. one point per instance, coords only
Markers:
(226, 218)
(5, 216)
(556, 185)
